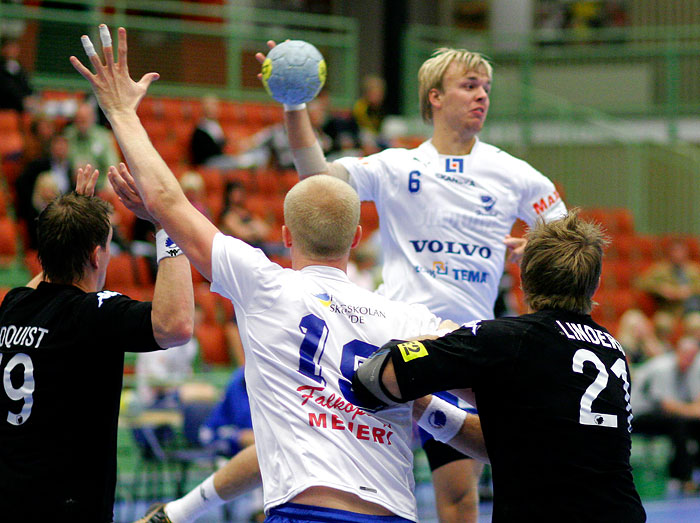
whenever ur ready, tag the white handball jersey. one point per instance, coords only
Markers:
(443, 219)
(304, 333)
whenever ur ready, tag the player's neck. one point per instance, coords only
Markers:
(299, 262)
(453, 143)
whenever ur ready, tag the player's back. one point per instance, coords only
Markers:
(58, 407)
(304, 333)
(557, 418)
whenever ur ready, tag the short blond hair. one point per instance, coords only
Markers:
(432, 72)
(561, 264)
(322, 214)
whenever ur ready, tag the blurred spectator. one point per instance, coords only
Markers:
(37, 142)
(229, 426)
(691, 325)
(362, 267)
(665, 327)
(235, 220)
(674, 283)
(15, 90)
(666, 401)
(208, 139)
(163, 377)
(192, 185)
(45, 190)
(369, 111)
(638, 338)
(61, 169)
(159, 374)
(91, 143)
(270, 146)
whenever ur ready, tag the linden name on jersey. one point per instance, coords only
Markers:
(12, 336)
(576, 331)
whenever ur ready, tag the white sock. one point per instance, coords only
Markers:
(196, 502)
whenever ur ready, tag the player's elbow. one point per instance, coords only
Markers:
(173, 331)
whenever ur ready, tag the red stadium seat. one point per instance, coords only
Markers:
(121, 273)
(206, 301)
(212, 343)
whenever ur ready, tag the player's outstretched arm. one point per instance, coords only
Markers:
(306, 151)
(172, 314)
(119, 96)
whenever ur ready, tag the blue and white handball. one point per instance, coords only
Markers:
(293, 72)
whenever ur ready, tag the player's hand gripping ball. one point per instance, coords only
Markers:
(293, 72)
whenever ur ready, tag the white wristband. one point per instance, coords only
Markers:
(165, 247)
(295, 107)
(442, 419)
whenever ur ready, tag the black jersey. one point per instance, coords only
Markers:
(61, 364)
(552, 389)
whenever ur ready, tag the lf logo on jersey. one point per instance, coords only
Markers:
(454, 165)
(412, 350)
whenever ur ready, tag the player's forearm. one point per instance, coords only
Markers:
(172, 315)
(157, 185)
(300, 132)
(239, 475)
(306, 151)
(469, 438)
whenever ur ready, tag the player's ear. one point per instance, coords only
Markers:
(435, 97)
(286, 237)
(358, 236)
(95, 258)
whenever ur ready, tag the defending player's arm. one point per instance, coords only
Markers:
(172, 313)
(306, 151)
(119, 96)
(450, 424)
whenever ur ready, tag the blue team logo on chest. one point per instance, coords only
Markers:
(454, 165)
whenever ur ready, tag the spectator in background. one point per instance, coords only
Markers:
(159, 374)
(270, 146)
(208, 139)
(666, 401)
(15, 90)
(45, 190)
(58, 164)
(91, 143)
(637, 336)
(691, 325)
(675, 282)
(192, 185)
(362, 267)
(369, 112)
(37, 142)
(237, 221)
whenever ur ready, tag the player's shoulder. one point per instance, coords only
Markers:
(509, 326)
(15, 295)
(496, 157)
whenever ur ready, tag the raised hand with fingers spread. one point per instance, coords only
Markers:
(86, 180)
(113, 87)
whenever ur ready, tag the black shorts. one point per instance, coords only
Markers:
(440, 454)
